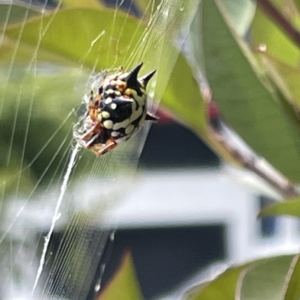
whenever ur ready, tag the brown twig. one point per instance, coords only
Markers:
(280, 20)
(257, 165)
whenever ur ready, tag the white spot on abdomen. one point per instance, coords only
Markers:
(108, 100)
(105, 114)
(108, 124)
(113, 106)
(115, 133)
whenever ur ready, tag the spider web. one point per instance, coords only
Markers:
(54, 194)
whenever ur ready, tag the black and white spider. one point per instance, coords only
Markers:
(116, 113)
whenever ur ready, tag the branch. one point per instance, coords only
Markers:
(236, 149)
(259, 167)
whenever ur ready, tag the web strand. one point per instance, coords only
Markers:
(56, 213)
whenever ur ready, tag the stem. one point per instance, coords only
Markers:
(256, 164)
(280, 20)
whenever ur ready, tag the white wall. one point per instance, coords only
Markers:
(191, 197)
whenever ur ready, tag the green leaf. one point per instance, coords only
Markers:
(104, 38)
(248, 101)
(262, 279)
(286, 77)
(221, 288)
(240, 13)
(183, 98)
(297, 3)
(289, 207)
(293, 288)
(265, 32)
(11, 14)
(81, 3)
(88, 44)
(265, 279)
(124, 285)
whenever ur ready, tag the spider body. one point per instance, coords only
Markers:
(116, 113)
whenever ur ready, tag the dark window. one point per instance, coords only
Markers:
(164, 257)
(172, 145)
(268, 225)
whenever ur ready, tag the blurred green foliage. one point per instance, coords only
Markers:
(124, 285)
(262, 279)
(57, 42)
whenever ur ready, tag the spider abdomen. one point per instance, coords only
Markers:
(121, 118)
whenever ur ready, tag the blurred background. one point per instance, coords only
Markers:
(169, 196)
(189, 212)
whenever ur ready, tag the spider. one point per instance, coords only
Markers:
(116, 113)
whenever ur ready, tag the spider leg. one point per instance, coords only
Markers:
(95, 129)
(101, 149)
